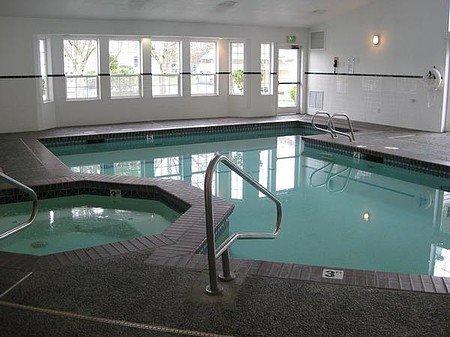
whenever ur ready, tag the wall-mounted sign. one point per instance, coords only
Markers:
(291, 39)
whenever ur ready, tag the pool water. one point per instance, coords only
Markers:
(69, 223)
(338, 211)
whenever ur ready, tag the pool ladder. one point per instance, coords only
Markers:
(31, 194)
(347, 171)
(223, 250)
(330, 129)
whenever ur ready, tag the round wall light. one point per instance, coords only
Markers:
(376, 40)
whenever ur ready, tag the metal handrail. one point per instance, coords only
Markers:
(323, 168)
(330, 177)
(328, 130)
(350, 136)
(34, 198)
(213, 288)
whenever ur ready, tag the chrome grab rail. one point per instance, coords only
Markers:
(332, 176)
(213, 287)
(350, 136)
(319, 170)
(34, 198)
(328, 130)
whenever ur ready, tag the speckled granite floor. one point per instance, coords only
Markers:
(129, 289)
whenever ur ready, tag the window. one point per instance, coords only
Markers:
(285, 172)
(263, 176)
(167, 168)
(203, 68)
(125, 68)
(128, 168)
(91, 169)
(237, 184)
(237, 68)
(43, 68)
(199, 164)
(166, 68)
(288, 83)
(266, 69)
(81, 69)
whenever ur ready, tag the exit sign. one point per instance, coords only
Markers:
(291, 38)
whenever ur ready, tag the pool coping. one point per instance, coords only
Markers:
(190, 238)
(186, 232)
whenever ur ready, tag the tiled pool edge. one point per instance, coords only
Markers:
(353, 277)
(439, 170)
(181, 253)
(187, 229)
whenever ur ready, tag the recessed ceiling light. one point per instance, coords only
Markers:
(228, 4)
(319, 11)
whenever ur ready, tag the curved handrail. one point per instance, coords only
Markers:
(222, 250)
(350, 136)
(34, 198)
(329, 131)
(347, 180)
(330, 177)
(319, 170)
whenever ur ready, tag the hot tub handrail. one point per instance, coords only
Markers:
(222, 250)
(33, 196)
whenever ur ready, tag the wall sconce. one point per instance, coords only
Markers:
(376, 40)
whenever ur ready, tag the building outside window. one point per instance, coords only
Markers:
(81, 68)
(266, 69)
(125, 68)
(43, 68)
(203, 68)
(166, 68)
(237, 68)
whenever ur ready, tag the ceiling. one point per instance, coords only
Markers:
(282, 13)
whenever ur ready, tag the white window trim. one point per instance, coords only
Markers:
(84, 37)
(140, 91)
(230, 55)
(271, 70)
(180, 71)
(50, 96)
(216, 78)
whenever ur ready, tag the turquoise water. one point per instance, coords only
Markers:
(69, 223)
(338, 211)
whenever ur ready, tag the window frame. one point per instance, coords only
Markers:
(230, 60)
(97, 76)
(216, 61)
(47, 61)
(139, 75)
(180, 70)
(271, 68)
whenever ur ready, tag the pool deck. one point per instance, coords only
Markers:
(161, 287)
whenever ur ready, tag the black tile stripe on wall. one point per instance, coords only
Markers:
(364, 75)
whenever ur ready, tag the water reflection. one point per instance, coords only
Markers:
(346, 213)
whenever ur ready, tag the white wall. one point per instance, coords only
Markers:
(20, 104)
(413, 39)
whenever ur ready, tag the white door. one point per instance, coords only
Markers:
(289, 86)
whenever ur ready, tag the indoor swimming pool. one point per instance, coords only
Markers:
(69, 223)
(338, 211)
